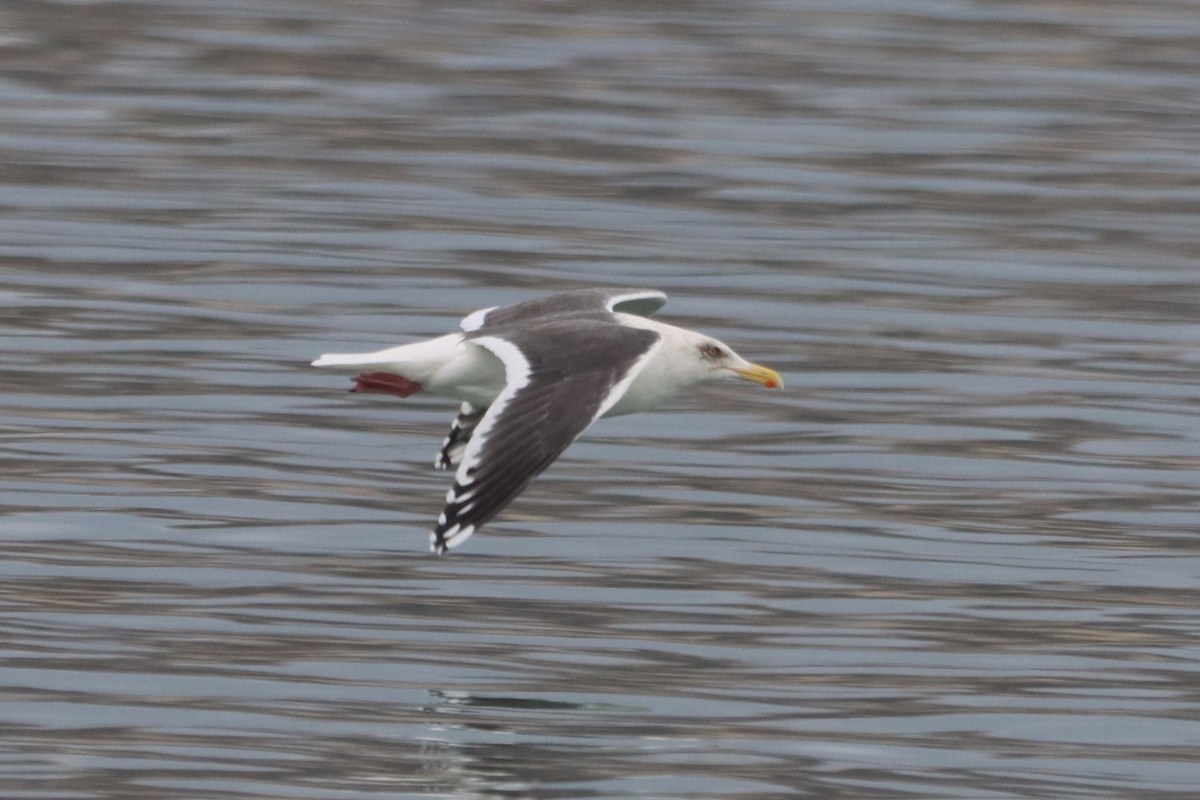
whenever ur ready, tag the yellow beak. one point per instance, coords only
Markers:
(764, 375)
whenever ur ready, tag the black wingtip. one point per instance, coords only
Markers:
(437, 543)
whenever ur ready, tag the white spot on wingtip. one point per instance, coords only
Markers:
(459, 535)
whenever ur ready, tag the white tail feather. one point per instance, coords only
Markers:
(346, 360)
(420, 357)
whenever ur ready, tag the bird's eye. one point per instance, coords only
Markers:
(710, 350)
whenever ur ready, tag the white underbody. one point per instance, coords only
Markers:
(444, 366)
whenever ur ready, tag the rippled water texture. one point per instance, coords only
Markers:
(956, 558)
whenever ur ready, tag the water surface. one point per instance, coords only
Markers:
(956, 558)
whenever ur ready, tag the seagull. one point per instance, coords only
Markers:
(532, 377)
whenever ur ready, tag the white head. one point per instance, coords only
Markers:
(714, 360)
(698, 358)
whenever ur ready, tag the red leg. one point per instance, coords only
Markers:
(386, 383)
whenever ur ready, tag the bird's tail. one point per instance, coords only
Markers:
(418, 357)
(355, 360)
(383, 372)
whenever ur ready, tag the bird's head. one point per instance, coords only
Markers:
(695, 357)
(719, 361)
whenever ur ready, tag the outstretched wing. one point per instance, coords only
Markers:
(461, 429)
(642, 302)
(561, 376)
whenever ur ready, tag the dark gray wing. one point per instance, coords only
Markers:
(642, 302)
(460, 433)
(560, 376)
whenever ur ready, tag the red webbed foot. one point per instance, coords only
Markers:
(386, 383)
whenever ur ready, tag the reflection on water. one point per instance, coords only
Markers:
(955, 559)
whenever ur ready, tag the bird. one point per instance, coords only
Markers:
(531, 377)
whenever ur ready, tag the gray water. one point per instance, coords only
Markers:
(957, 557)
